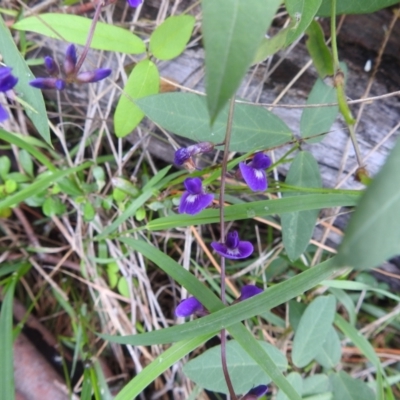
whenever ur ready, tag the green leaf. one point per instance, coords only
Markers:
(206, 369)
(315, 384)
(143, 81)
(25, 161)
(313, 329)
(232, 32)
(168, 358)
(220, 317)
(33, 97)
(40, 184)
(302, 11)
(330, 354)
(170, 38)
(272, 45)
(347, 302)
(347, 388)
(6, 343)
(296, 310)
(354, 6)
(373, 233)
(21, 142)
(185, 114)
(53, 206)
(298, 227)
(74, 29)
(318, 120)
(256, 209)
(89, 212)
(319, 51)
(296, 381)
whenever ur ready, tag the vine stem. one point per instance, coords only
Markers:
(222, 231)
(89, 38)
(339, 84)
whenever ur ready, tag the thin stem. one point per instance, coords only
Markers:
(89, 38)
(222, 230)
(333, 36)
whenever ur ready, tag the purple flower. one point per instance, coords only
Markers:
(135, 3)
(70, 60)
(254, 172)
(93, 76)
(183, 156)
(51, 66)
(48, 83)
(7, 82)
(248, 291)
(194, 199)
(59, 80)
(190, 306)
(233, 247)
(256, 392)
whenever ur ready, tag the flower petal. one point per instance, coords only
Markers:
(93, 76)
(256, 179)
(244, 250)
(256, 392)
(232, 240)
(70, 60)
(3, 114)
(261, 161)
(51, 66)
(181, 155)
(193, 185)
(194, 203)
(188, 307)
(48, 83)
(7, 79)
(248, 291)
(135, 3)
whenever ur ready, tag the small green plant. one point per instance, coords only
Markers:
(119, 219)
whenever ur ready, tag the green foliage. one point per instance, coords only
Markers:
(302, 12)
(347, 388)
(74, 29)
(295, 379)
(373, 234)
(253, 127)
(319, 51)
(354, 6)
(254, 209)
(318, 120)
(298, 227)
(144, 80)
(313, 329)
(330, 353)
(206, 369)
(33, 99)
(170, 38)
(6, 342)
(232, 32)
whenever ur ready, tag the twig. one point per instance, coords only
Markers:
(222, 230)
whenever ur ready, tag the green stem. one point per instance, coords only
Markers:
(222, 231)
(96, 17)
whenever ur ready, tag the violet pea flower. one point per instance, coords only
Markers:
(190, 306)
(135, 3)
(254, 172)
(233, 248)
(256, 392)
(194, 199)
(7, 82)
